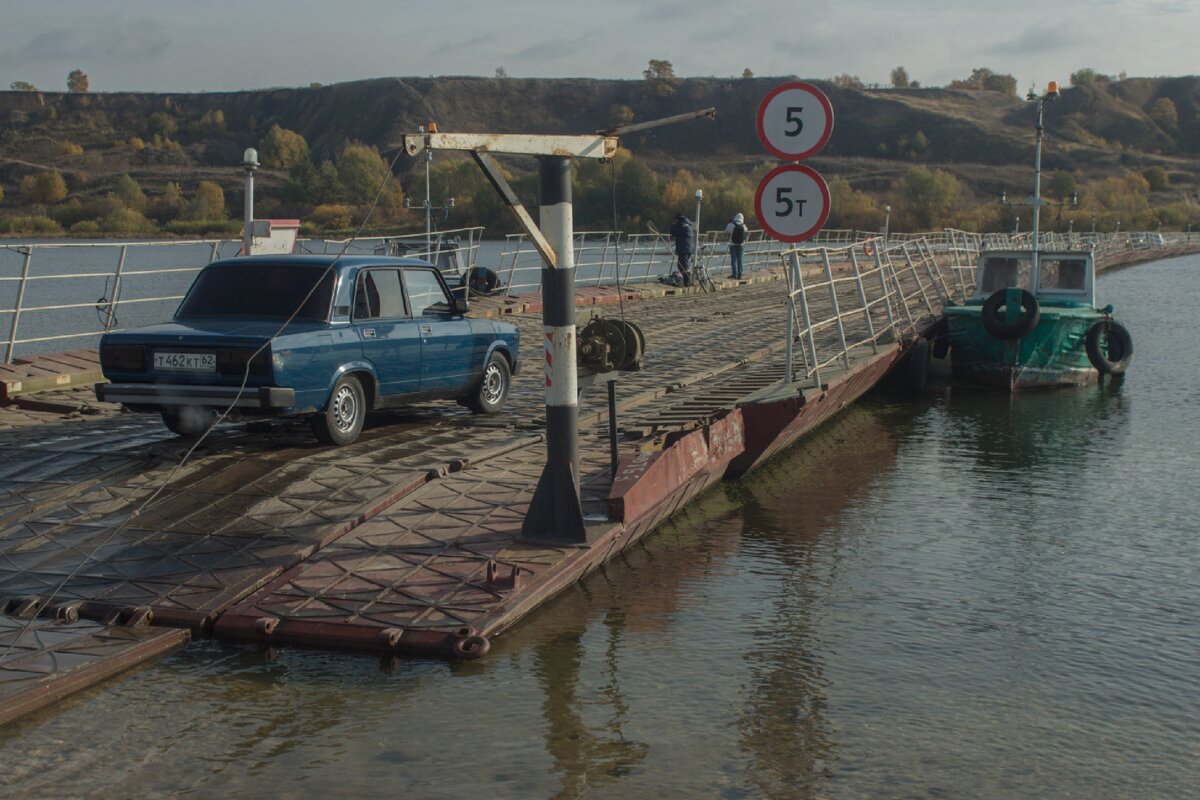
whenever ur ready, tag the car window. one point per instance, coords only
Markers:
(425, 293)
(378, 295)
(275, 291)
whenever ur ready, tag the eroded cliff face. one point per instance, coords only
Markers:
(1095, 127)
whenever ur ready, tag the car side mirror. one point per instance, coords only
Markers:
(461, 305)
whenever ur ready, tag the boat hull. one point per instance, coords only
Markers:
(1053, 354)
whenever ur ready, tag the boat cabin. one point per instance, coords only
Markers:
(1066, 277)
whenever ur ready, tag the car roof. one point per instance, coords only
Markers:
(345, 262)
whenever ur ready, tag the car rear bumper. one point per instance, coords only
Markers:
(167, 394)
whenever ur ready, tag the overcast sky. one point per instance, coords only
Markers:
(208, 45)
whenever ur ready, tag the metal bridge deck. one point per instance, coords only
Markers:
(405, 541)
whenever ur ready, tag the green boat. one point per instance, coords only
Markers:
(1015, 337)
(1032, 322)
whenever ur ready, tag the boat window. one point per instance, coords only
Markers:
(1063, 274)
(1001, 272)
(273, 291)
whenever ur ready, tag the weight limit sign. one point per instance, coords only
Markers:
(792, 202)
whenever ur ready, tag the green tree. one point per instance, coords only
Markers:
(77, 81)
(130, 193)
(1061, 184)
(1157, 178)
(43, 187)
(1165, 113)
(169, 205)
(282, 149)
(361, 172)
(900, 78)
(208, 203)
(926, 198)
(919, 143)
(22, 86)
(161, 124)
(501, 73)
(1084, 77)
(850, 208)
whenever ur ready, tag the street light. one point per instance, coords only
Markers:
(887, 218)
(249, 164)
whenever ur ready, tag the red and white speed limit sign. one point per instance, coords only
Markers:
(792, 202)
(795, 120)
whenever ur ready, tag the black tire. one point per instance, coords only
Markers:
(1110, 354)
(491, 393)
(188, 421)
(918, 365)
(940, 338)
(342, 421)
(995, 324)
(480, 281)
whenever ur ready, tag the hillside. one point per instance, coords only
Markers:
(984, 138)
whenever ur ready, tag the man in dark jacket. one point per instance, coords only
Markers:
(685, 245)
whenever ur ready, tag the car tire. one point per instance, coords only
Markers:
(491, 393)
(187, 421)
(342, 421)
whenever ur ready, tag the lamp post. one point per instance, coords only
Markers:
(249, 165)
(887, 218)
(696, 255)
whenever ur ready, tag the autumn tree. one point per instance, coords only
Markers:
(282, 148)
(900, 78)
(982, 78)
(619, 115)
(501, 73)
(161, 124)
(43, 187)
(659, 70)
(77, 81)
(208, 203)
(746, 73)
(847, 81)
(22, 86)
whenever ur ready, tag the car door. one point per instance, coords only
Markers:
(447, 343)
(390, 337)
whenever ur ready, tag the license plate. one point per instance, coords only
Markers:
(191, 362)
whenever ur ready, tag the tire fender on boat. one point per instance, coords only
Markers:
(1119, 345)
(481, 280)
(995, 324)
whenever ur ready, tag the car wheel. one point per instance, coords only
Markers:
(343, 418)
(492, 391)
(188, 420)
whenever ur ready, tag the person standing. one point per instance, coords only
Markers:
(737, 244)
(685, 245)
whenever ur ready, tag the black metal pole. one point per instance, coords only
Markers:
(555, 513)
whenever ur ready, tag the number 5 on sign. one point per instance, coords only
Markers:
(795, 120)
(792, 202)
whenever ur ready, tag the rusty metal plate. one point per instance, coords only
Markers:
(46, 660)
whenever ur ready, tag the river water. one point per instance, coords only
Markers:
(953, 595)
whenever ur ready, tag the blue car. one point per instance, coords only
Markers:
(329, 338)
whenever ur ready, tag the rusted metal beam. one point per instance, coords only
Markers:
(492, 170)
(526, 144)
(710, 113)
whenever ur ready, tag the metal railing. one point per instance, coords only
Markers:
(138, 278)
(48, 301)
(855, 296)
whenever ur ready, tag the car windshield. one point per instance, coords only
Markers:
(273, 291)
